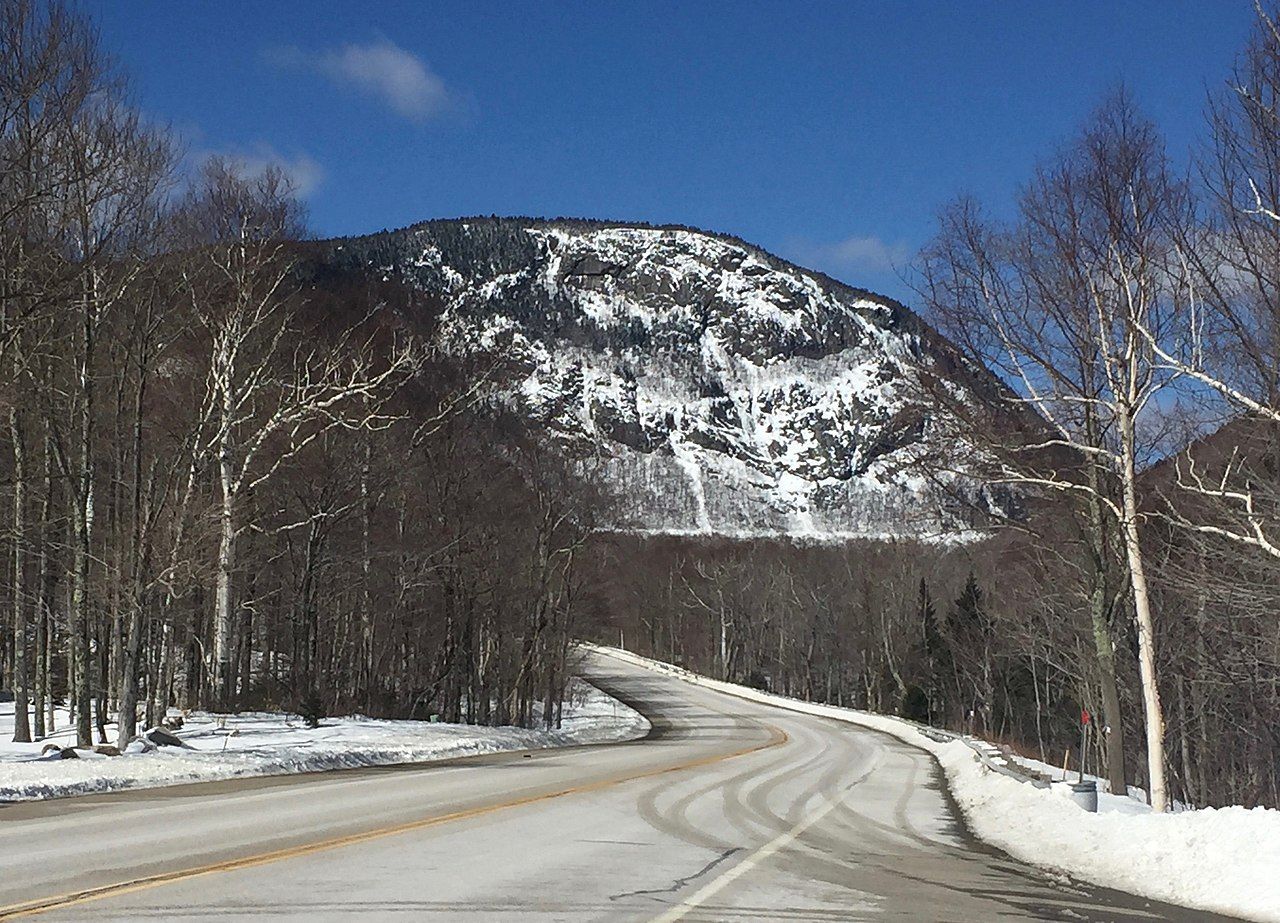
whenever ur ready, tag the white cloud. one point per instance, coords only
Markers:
(858, 254)
(303, 171)
(380, 69)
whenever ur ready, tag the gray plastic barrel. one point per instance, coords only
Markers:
(1085, 794)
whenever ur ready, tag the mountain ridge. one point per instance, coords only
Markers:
(720, 388)
(913, 316)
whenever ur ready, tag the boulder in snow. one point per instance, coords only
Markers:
(162, 738)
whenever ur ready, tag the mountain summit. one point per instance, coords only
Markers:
(716, 388)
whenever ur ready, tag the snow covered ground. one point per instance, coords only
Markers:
(1224, 860)
(261, 744)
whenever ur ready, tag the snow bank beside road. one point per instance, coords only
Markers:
(259, 744)
(1223, 860)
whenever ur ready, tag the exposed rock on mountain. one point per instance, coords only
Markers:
(712, 386)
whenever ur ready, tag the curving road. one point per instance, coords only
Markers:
(730, 810)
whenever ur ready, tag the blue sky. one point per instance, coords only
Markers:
(830, 133)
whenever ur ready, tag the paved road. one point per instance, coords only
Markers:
(729, 811)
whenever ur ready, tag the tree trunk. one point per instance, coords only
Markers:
(1113, 725)
(79, 627)
(1103, 562)
(100, 702)
(21, 718)
(44, 604)
(159, 705)
(128, 719)
(223, 602)
(1104, 649)
(82, 518)
(1146, 624)
(364, 670)
(41, 673)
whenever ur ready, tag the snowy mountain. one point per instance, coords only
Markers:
(706, 385)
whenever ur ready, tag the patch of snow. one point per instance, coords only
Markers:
(685, 459)
(264, 744)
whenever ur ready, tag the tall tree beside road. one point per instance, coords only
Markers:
(1058, 304)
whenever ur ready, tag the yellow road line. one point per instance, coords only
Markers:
(41, 905)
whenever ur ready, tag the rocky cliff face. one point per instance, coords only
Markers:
(705, 384)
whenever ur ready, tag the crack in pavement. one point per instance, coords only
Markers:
(680, 882)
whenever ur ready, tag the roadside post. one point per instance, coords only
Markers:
(1084, 737)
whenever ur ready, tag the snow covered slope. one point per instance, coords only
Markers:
(715, 388)
(271, 744)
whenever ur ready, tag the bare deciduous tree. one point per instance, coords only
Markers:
(1058, 305)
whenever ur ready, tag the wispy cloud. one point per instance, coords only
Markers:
(867, 254)
(303, 171)
(381, 70)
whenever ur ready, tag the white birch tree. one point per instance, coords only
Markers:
(1057, 305)
(271, 390)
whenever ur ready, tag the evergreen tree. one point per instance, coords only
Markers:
(938, 662)
(971, 630)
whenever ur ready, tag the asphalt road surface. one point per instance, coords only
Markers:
(730, 810)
